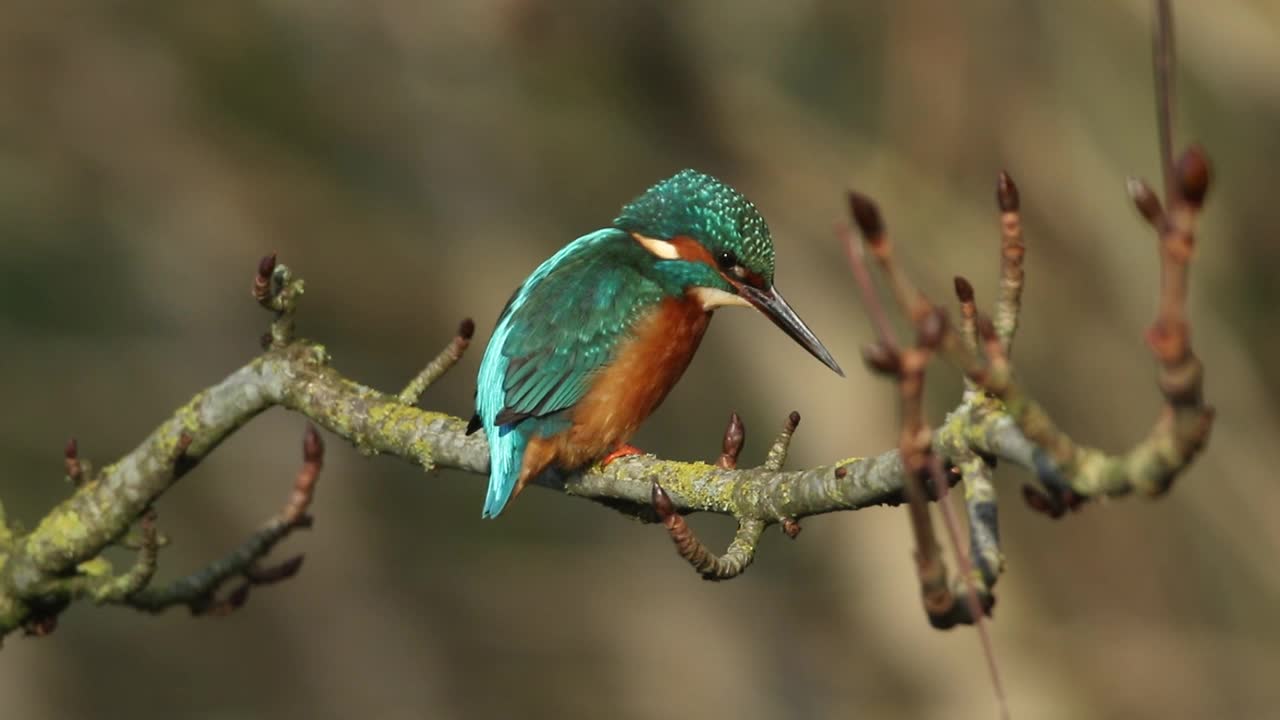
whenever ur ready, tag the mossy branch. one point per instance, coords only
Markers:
(61, 560)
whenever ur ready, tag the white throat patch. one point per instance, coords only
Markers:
(712, 298)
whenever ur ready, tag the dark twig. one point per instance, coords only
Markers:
(198, 591)
(915, 442)
(908, 365)
(709, 565)
(883, 356)
(976, 586)
(440, 364)
(867, 217)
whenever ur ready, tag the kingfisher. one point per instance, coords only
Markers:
(590, 344)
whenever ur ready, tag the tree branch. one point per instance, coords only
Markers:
(60, 560)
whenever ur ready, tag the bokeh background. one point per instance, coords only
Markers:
(414, 160)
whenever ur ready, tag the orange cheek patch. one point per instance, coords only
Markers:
(690, 249)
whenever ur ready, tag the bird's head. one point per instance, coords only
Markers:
(714, 238)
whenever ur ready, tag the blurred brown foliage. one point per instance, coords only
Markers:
(415, 160)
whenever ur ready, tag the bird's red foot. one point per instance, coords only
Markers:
(622, 451)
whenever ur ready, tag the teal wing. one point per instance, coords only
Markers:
(568, 329)
(559, 328)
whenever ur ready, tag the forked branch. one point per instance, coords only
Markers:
(61, 559)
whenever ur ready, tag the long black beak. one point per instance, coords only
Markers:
(776, 309)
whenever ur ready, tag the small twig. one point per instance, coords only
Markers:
(978, 600)
(867, 217)
(96, 581)
(968, 322)
(1009, 304)
(1162, 53)
(968, 313)
(275, 289)
(777, 456)
(915, 438)
(908, 366)
(198, 591)
(742, 550)
(866, 289)
(709, 565)
(143, 569)
(440, 364)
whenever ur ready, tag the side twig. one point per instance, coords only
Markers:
(440, 364)
(741, 551)
(199, 591)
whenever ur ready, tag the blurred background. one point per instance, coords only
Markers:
(414, 161)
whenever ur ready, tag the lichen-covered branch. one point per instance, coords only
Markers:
(61, 560)
(297, 375)
(743, 548)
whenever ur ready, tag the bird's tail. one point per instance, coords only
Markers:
(506, 448)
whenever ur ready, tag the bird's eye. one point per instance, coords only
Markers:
(729, 263)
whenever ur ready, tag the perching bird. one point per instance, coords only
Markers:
(592, 341)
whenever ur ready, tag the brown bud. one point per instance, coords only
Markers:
(467, 328)
(734, 435)
(841, 471)
(1192, 172)
(867, 216)
(1006, 193)
(1144, 198)
(791, 527)
(964, 290)
(262, 281)
(662, 502)
(267, 265)
(881, 358)
(793, 421)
